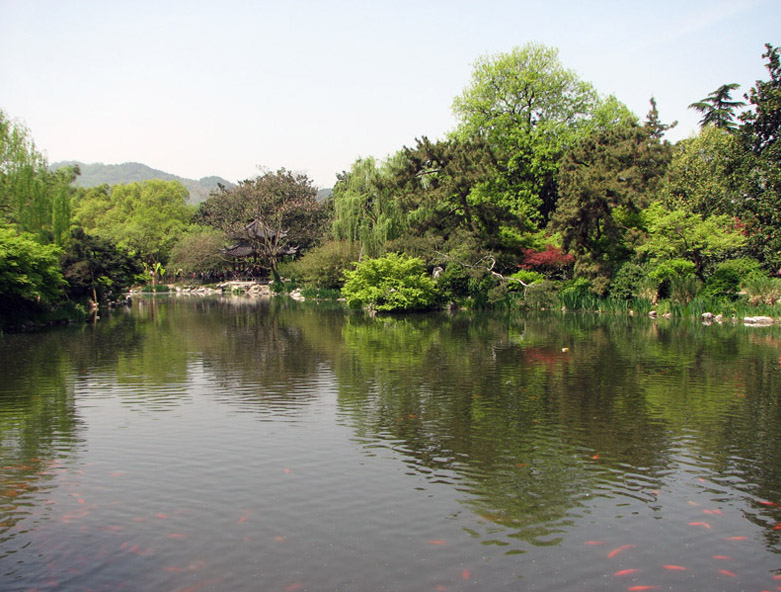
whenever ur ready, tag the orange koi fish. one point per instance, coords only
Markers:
(465, 574)
(640, 588)
(625, 572)
(676, 568)
(726, 572)
(704, 524)
(595, 457)
(161, 516)
(618, 550)
(735, 538)
(723, 557)
(435, 542)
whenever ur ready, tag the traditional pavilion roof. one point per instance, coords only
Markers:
(255, 231)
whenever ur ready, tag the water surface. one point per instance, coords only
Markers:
(206, 444)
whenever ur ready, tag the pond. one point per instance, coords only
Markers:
(230, 444)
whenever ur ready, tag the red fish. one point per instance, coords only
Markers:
(243, 519)
(735, 538)
(618, 550)
(595, 542)
(161, 516)
(640, 588)
(676, 567)
(705, 524)
(435, 542)
(595, 457)
(726, 572)
(723, 557)
(465, 574)
(625, 572)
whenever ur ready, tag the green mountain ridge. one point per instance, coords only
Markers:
(94, 174)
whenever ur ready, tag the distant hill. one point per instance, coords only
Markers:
(98, 173)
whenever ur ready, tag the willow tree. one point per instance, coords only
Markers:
(32, 198)
(366, 211)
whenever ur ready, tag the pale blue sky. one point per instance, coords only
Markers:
(219, 88)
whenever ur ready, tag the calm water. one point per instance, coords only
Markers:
(220, 445)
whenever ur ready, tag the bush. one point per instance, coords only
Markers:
(30, 276)
(390, 283)
(324, 266)
(729, 276)
(628, 282)
(578, 294)
(725, 281)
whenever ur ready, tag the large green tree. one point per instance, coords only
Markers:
(606, 179)
(528, 107)
(145, 219)
(700, 175)
(681, 234)
(759, 167)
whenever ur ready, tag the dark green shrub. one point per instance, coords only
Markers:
(323, 266)
(628, 282)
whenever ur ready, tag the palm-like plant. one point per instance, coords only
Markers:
(718, 108)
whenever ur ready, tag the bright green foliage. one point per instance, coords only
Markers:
(516, 92)
(146, 219)
(33, 199)
(391, 283)
(365, 211)
(699, 175)
(728, 277)
(198, 251)
(30, 274)
(96, 268)
(718, 108)
(681, 234)
(759, 168)
(527, 107)
(324, 266)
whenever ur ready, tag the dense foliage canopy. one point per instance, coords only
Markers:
(545, 193)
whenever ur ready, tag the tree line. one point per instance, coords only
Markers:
(545, 193)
